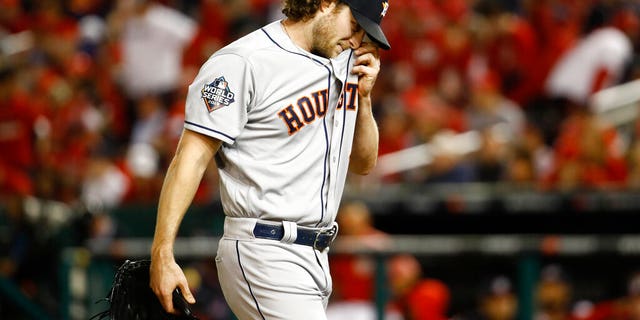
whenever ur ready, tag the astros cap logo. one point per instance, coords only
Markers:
(385, 7)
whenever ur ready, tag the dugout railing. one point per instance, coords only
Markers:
(87, 274)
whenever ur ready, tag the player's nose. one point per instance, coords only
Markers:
(356, 39)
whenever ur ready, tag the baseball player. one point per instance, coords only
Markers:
(286, 112)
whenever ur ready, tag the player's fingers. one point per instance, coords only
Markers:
(163, 281)
(186, 293)
(364, 71)
(366, 67)
(368, 60)
(367, 47)
(368, 53)
(166, 300)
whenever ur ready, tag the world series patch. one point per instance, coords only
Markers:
(217, 94)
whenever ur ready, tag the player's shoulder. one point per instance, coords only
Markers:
(252, 45)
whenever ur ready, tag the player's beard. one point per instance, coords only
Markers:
(324, 41)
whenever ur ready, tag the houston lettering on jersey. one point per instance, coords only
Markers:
(217, 94)
(307, 109)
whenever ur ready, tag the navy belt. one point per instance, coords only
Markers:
(317, 238)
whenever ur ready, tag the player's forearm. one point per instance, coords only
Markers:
(364, 153)
(180, 185)
(177, 193)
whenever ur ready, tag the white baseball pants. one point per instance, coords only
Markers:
(265, 279)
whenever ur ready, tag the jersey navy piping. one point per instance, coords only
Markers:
(209, 129)
(324, 123)
(344, 110)
(247, 281)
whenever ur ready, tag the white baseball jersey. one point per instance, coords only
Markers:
(286, 119)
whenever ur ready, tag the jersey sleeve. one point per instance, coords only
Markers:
(219, 98)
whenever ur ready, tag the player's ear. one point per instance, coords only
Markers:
(327, 5)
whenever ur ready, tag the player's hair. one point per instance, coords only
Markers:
(301, 10)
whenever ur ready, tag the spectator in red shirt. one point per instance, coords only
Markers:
(17, 136)
(353, 274)
(588, 153)
(415, 297)
(510, 46)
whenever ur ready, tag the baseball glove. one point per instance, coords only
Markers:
(131, 298)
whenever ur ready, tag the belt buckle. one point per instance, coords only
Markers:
(331, 232)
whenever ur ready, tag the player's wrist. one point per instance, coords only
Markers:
(364, 97)
(162, 252)
(364, 102)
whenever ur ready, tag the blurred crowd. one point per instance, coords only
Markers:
(521, 74)
(92, 101)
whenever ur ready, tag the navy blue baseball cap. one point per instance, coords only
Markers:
(369, 14)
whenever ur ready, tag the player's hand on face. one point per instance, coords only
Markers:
(367, 67)
(165, 276)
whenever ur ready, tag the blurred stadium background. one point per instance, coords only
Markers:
(507, 185)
